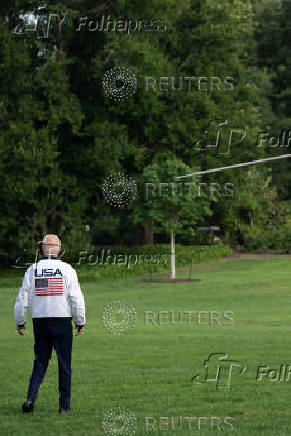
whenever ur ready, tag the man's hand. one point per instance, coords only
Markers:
(79, 331)
(20, 329)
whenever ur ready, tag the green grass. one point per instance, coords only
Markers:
(149, 369)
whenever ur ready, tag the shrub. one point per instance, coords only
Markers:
(185, 255)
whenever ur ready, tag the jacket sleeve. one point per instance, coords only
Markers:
(21, 304)
(77, 300)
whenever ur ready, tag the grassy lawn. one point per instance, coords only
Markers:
(148, 370)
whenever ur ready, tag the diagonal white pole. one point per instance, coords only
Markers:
(245, 164)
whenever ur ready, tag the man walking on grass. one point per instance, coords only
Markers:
(51, 291)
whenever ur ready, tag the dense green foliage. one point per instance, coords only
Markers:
(61, 136)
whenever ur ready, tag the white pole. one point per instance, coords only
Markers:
(173, 258)
(245, 164)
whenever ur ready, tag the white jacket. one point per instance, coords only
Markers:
(50, 288)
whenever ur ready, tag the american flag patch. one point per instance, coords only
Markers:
(49, 287)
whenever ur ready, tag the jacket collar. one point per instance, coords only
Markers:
(49, 256)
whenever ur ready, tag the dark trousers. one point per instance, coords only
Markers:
(52, 333)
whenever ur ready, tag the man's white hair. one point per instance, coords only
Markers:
(51, 245)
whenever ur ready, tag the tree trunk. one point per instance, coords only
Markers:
(173, 256)
(251, 222)
(149, 233)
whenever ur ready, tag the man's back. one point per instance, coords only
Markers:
(51, 289)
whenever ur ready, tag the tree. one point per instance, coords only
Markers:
(172, 205)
